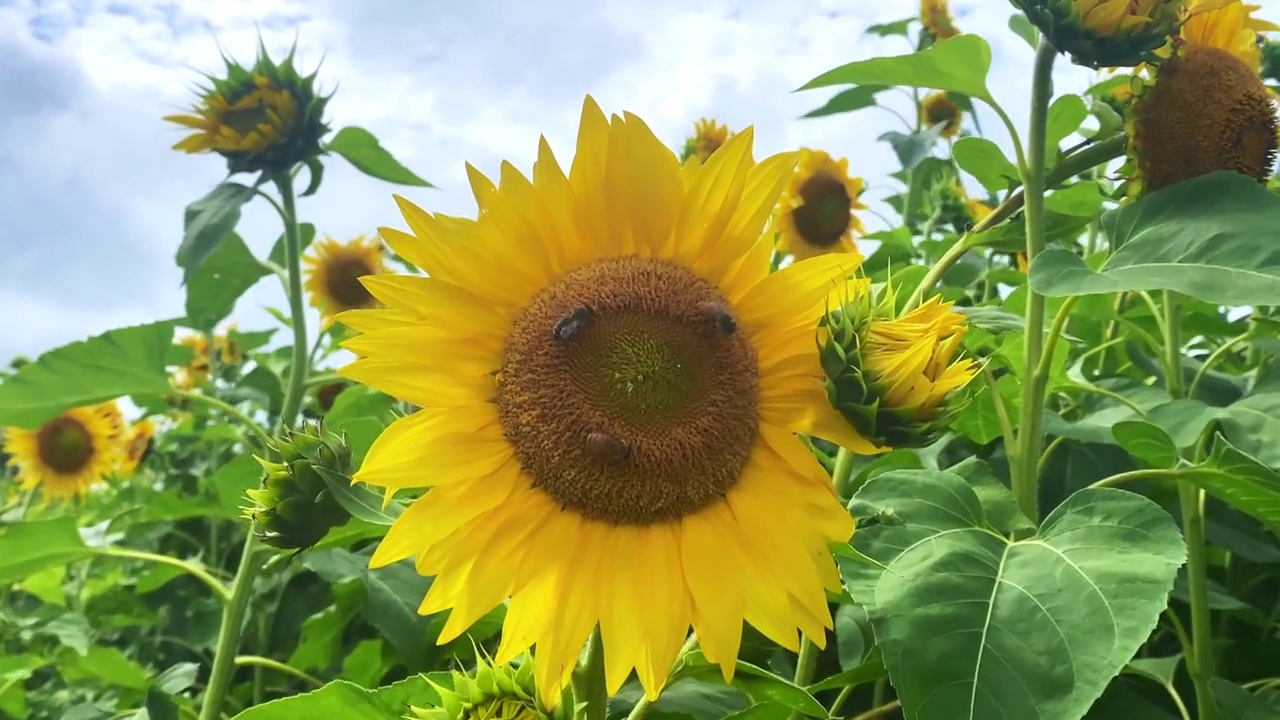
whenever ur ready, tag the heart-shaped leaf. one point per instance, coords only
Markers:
(957, 64)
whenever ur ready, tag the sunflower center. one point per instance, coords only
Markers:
(629, 392)
(342, 281)
(65, 445)
(823, 216)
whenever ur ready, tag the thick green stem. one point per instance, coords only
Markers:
(251, 560)
(1030, 435)
(589, 690)
(1172, 329)
(806, 666)
(842, 473)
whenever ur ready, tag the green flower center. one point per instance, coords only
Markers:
(64, 445)
(628, 391)
(342, 281)
(823, 216)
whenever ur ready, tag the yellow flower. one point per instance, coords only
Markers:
(137, 445)
(936, 17)
(1106, 33)
(228, 351)
(266, 117)
(816, 211)
(1024, 265)
(708, 136)
(334, 272)
(611, 380)
(68, 454)
(890, 375)
(195, 372)
(1229, 26)
(937, 109)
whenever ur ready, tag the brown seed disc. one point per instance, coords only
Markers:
(1207, 111)
(342, 281)
(64, 445)
(629, 393)
(823, 216)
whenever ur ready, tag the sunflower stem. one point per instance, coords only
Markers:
(264, 440)
(219, 590)
(233, 613)
(642, 705)
(590, 694)
(1025, 470)
(806, 667)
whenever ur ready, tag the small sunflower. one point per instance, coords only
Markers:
(708, 136)
(816, 211)
(937, 109)
(334, 272)
(68, 454)
(935, 15)
(612, 380)
(195, 372)
(1205, 110)
(137, 445)
(266, 117)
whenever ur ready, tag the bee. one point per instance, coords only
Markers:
(579, 318)
(604, 446)
(718, 314)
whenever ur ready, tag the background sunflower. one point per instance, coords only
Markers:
(67, 455)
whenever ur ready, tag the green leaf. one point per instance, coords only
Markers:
(998, 503)
(889, 29)
(1236, 703)
(855, 98)
(759, 684)
(361, 414)
(306, 235)
(1023, 28)
(231, 480)
(72, 630)
(762, 711)
(159, 705)
(104, 663)
(1082, 199)
(29, 547)
(1012, 236)
(1209, 237)
(911, 149)
(342, 700)
(851, 642)
(358, 500)
(316, 168)
(986, 162)
(1159, 670)
(975, 627)
(1238, 480)
(1147, 442)
(125, 361)
(361, 149)
(1252, 424)
(212, 290)
(992, 319)
(1065, 115)
(320, 638)
(207, 221)
(957, 64)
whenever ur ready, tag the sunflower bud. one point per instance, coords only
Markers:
(953, 206)
(497, 692)
(892, 376)
(1105, 33)
(262, 118)
(293, 509)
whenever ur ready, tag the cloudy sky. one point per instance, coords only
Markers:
(91, 196)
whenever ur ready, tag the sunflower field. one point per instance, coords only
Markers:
(663, 431)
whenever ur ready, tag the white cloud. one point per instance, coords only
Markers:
(92, 196)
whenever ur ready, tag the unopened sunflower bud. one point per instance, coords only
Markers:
(293, 509)
(892, 376)
(492, 691)
(1105, 33)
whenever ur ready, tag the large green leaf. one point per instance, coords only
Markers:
(1211, 237)
(362, 150)
(958, 64)
(1238, 480)
(212, 289)
(976, 627)
(207, 221)
(29, 547)
(125, 361)
(985, 161)
(1236, 703)
(1252, 424)
(342, 700)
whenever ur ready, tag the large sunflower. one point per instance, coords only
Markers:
(612, 380)
(816, 211)
(1227, 26)
(68, 454)
(334, 270)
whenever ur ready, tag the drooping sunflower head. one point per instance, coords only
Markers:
(708, 136)
(611, 379)
(69, 454)
(1105, 33)
(262, 118)
(816, 213)
(938, 109)
(935, 15)
(196, 371)
(490, 692)
(293, 508)
(1206, 110)
(335, 271)
(891, 375)
(1227, 25)
(137, 446)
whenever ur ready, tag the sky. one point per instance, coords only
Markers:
(92, 196)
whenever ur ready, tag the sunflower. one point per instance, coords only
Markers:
(1230, 26)
(228, 351)
(611, 380)
(1206, 109)
(936, 17)
(137, 445)
(937, 109)
(69, 454)
(815, 213)
(1106, 33)
(708, 136)
(334, 271)
(195, 372)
